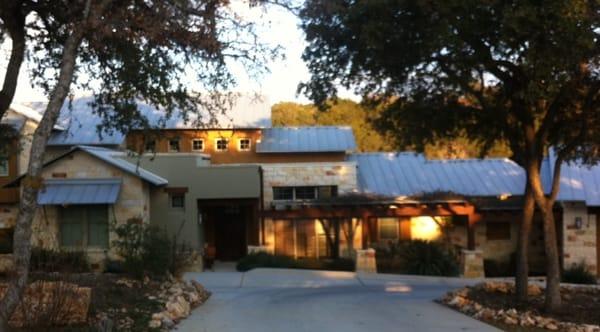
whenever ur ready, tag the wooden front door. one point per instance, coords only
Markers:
(230, 232)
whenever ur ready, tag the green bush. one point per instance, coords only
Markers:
(263, 259)
(578, 274)
(417, 257)
(144, 249)
(46, 260)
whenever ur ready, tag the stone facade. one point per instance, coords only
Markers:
(340, 174)
(133, 201)
(579, 236)
(471, 264)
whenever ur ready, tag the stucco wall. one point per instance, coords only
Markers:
(133, 201)
(579, 243)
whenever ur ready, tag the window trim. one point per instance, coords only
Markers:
(239, 145)
(397, 226)
(5, 160)
(198, 140)
(217, 144)
(178, 145)
(334, 193)
(173, 195)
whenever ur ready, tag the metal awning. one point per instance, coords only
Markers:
(79, 191)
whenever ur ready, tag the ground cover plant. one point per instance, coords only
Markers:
(417, 257)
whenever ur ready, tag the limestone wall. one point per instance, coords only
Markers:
(342, 174)
(579, 244)
(133, 201)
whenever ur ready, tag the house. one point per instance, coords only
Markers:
(297, 191)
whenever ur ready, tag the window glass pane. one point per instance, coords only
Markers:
(283, 193)
(305, 192)
(174, 145)
(177, 200)
(3, 166)
(327, 191)
(222, 144)
(72, 230)
(244, 144)
(388, 228)
(6, 240)
(497, 230)
(198, 145)
(98, 226)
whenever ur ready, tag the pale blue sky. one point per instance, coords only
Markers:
(277, 26)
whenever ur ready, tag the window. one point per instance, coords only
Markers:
(178, 201)
(221, 144)
(388, 228)
(151, 146)
(84, 226)
(303, 192)
(198, 144)
(283, 193)
(244, 144)
(174, 145)
(306, 192)
(6, 240)
(4, 171)
(497, 231)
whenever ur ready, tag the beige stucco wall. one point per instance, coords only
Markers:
(133, 201)
(579, 244)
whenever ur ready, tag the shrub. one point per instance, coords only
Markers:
(263, 259)
(144, 249)
(417, 257)
(578, 274)
(47, 260)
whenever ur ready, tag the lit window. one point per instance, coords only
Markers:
(221, 144)
(388, 228)
(4, 166)
(198, 145)
(178, 201)
(244, 144)
(283, 193)
(174, 145)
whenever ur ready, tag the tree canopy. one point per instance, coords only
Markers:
(524, 73)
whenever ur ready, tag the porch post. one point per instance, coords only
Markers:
(472, 219)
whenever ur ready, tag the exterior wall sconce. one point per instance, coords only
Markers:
(578, 222)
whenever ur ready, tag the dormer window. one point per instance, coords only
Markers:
(4, 171)
(197, 145)
(244, 144)
(221, 144)
(174, 145)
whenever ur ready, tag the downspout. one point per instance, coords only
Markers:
(262, 207)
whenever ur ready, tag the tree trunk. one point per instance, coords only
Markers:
(32, 182)
(522, 268)
(15, 24)
(546, 204)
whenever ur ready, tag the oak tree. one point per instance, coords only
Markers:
(524, 73)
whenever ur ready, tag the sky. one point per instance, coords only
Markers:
(278, 26)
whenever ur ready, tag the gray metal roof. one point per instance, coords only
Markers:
(115, 158)
(410, 174)
(79, 191)
(306, 139)
(578, 183)
(80, 123)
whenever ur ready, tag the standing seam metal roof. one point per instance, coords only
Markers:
(306, 139)
(79, 191)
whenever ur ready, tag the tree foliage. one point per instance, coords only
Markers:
(523, 73)
(365, 121)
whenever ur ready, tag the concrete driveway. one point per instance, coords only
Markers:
(296, 300)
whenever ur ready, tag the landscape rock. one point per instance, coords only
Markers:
(180, 298)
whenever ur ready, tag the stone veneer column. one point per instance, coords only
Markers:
(365, 260)
(471, 264)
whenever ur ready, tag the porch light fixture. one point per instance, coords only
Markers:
(504, 197)
(393, 207)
